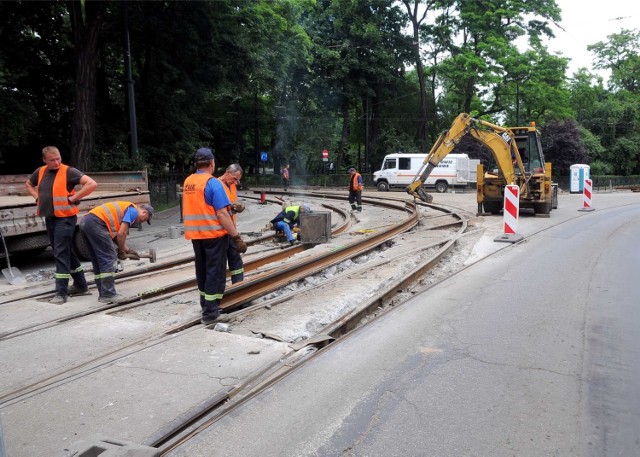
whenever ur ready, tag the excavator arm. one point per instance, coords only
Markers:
(499, 140)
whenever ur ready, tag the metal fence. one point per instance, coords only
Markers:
(164, 189)
(602, 183)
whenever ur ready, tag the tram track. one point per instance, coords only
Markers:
(238, 303)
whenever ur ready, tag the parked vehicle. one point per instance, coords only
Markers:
(399, 170)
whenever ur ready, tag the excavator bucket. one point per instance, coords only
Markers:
(424, 195)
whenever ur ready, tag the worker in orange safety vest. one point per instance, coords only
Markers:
(53, 186)
(231, 179)
(208, 224)
(105, 231)
(355, 190)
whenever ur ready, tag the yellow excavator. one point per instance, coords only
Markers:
(517, 159)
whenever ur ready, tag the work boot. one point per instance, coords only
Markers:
(58, 300)
(74, 290)
(210, 319)
(117, 298)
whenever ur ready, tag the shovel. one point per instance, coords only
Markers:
(12, 274)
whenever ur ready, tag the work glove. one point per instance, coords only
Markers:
(133, 255)
(296, 230)
(240, 244)
(237, 207)
(122, 255)
(77, 202)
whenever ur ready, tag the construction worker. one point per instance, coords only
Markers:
(208, 224)
(285, 177)
(289, 219)
(53, 187)
(355, 190)
(105, 230)
(231, 179)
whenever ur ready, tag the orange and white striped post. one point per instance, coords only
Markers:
(586, 196)
(511, 211)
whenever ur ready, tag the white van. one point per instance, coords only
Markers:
(398, 170)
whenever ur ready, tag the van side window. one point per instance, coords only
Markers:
(404, 163)
(389, 164)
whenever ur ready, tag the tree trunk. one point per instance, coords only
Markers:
(423, 119)
(345, 133)
(374, 132)
(85, 35)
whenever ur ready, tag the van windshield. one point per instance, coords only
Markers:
(389, 164)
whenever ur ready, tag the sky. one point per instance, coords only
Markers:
(587, 22)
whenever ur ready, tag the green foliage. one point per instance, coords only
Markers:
(621, 55)
(562, 145)
(600, 168)
(293, 77)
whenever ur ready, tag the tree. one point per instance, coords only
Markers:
(486, 33)
(621, 55)
(562, 145)
(86, 19)
(417, 15)
(360, 53)
(35, 87)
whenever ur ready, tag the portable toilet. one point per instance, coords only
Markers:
(579, 172)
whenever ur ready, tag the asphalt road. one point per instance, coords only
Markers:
(533, 351)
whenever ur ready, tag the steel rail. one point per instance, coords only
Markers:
(235, 296)
(161, 266)
(214, 409)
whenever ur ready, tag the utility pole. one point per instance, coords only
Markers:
(131, 100)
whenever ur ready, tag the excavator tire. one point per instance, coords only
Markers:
(542, 208)
(554, 198)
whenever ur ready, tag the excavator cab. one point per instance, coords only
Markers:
(528, 142)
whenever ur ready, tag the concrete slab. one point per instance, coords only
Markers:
(130, 398)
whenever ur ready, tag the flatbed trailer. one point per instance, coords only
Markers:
(26, 233)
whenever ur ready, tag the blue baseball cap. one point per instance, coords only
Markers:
(204, 154)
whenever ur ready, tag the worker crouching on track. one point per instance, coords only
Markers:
(231, 179)
(101, 227)
(289, 219)
(208, 224)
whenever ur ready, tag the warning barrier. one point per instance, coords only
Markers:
(511, 212)
(586, 196)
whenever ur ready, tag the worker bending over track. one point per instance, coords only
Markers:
(105, 229)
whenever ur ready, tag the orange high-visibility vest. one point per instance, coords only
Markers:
(200, 220)
(112, 213)
(355, 184)
(232, 195)
(60, 194)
